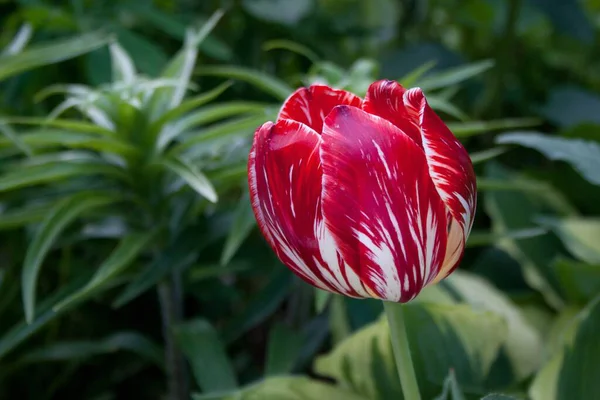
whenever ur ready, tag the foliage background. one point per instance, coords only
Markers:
(130, 266)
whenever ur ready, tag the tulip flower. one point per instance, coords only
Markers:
(368, 198)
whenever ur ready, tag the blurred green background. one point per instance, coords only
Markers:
(130, 262)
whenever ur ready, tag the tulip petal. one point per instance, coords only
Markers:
(380, 204)
(452, 172)
(311, 105)
(284, 174)
(386, 100)
(449, 164)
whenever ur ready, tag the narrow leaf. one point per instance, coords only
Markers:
(454, 75)
(15, 139)
(273, 86)
(123, 68)
(56, 221)
(192, 175)
(243, 222)
(471, 128)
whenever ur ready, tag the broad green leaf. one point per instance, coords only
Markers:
(583, 155)
(523, 344)
(123, 68)
(570, 106)
(32, 175)
(193, 176)
(442, 337)
(578, 378)
(267, 83)
(55, 222)
(283, 349)
(189, 105)
(82, 349)
(206, 354)
(50, 53)
(580, 236)
(516, 210)
(454, 75)
(471, 128)
(286, 388)
(243, 222)
(580, 281)
(121, 257)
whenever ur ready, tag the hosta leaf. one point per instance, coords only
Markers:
(206, 354)
(442, 337)
(267, 83)
(122, 256)
(580, 281)
(57, 219)
(193, 176)
(243, 222)
(523, 345)
(580, 236)
(583, 155)
(454, 75)
(50, 53)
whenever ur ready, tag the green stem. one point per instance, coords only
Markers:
(401, 348)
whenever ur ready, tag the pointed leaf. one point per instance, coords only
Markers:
(67, 124)
(454, 75)
(273, 86)
(50, 53)
(471, 128)
(55, 222)
(193, 176)
(243, 222)
(205, 352)
(579, 235)
(123, 69)
(583, 155)
(122, 256)
(15, 139)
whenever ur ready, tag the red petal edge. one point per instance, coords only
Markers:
(380, 204)
(284, 176)
(311, 105)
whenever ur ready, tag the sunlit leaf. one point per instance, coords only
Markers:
(193, 176)
(123, 68)
(267, 83)
(55, 222)
(454, 75)
(294, 47)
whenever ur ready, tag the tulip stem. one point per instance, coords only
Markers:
(401, 349)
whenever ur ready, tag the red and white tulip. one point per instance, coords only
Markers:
(369, 197)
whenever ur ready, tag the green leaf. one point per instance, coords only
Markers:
(411, 78)
(451, 389)
(55, 222)
(267, 83)
(55, 171)
(495, 396)
(441, 105)
(122, 256)
(523, 345)
(578, 377)
(15, 139)
(484, 238)
(67, 124)
(583, 155)
(286, 12)
(485, 155)
(580, 281)
(243, 222)
(286, 388)
(19, 41)
(23, 216)
(294, 47)
(78, 350)
(189, 105)
(454, 75)
(193, 176)
(579, 235)
(205, 352)
(283, 350)
(442, 336)
(50, 53)
(471, 128)
(123, 68)
(516, 210)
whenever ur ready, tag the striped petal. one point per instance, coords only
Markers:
(447, 160)
(284, 173)
(380, 204)
(311, 105)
